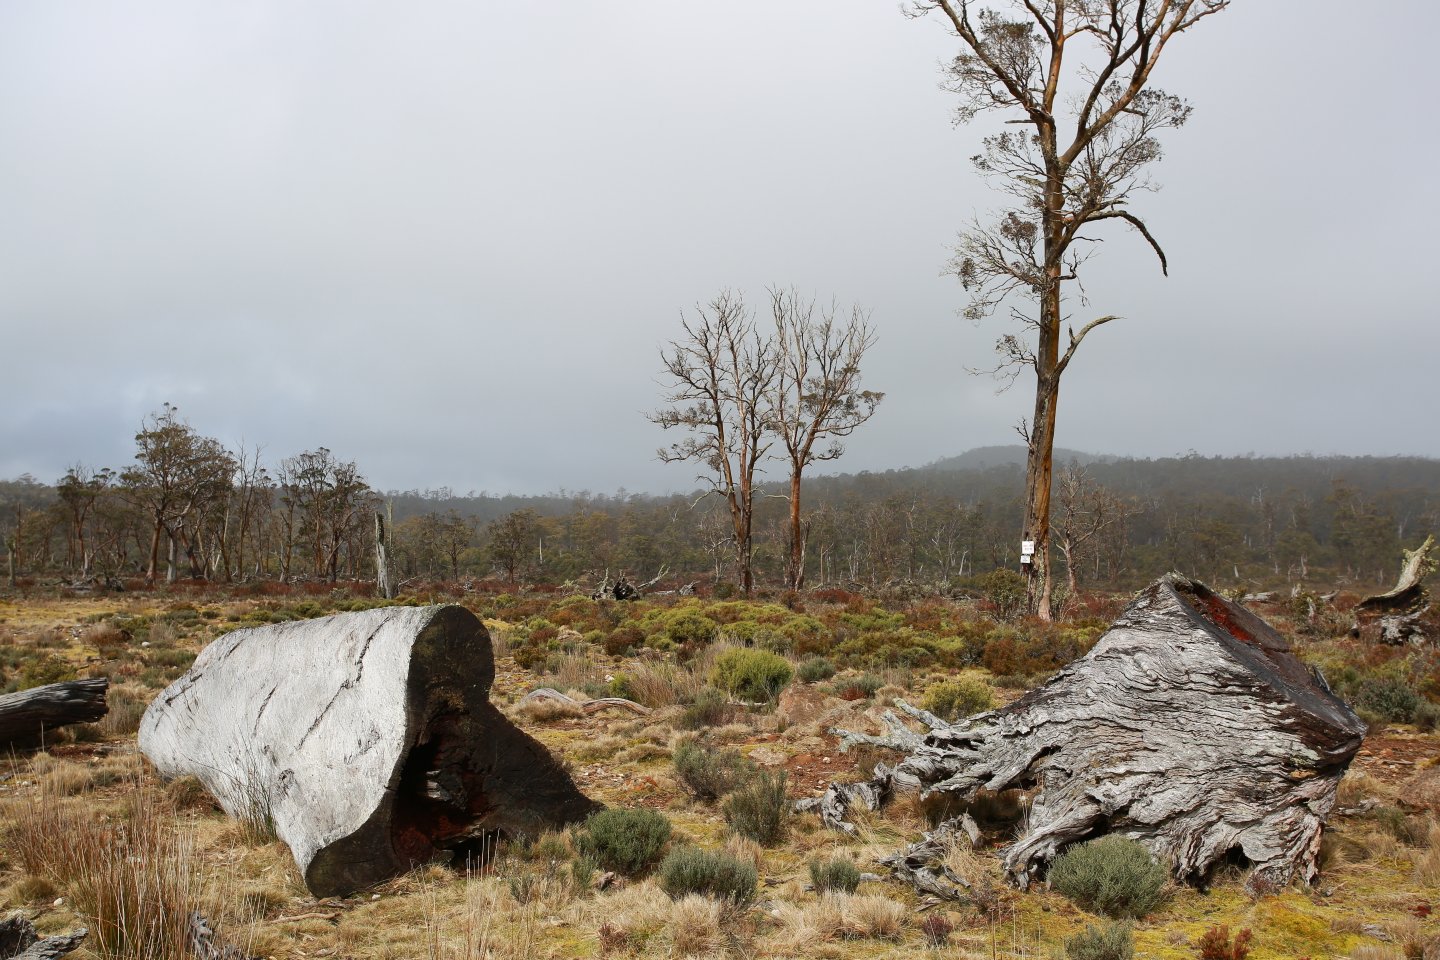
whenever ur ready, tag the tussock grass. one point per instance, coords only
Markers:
(134, 879)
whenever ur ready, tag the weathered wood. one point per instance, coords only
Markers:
(19, 941)
(25, 717)
(1410, 586)
(367, 739)
(204, 945)
(1190, 727)
(1396, 616)
(584, 706)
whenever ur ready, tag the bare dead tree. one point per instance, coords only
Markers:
(722, 374)
(817, 398)
(1086, 510)
(1075, 77)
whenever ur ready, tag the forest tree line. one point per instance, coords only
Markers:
(188, 507)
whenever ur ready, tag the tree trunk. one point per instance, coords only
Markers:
(25, 717)
(1190, 727)
(384, 584)
(367, 739)
(795, 575)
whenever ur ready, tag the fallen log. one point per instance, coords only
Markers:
(19, 941)
(26, 717)
(366, 739)
(1190, 727)
(584, 706)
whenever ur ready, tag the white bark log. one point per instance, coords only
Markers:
(26, 717)
(1190, 727)
(367, 738)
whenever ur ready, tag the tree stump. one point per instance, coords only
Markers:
(25, 717)
(366, 739)
(1190, 727)
(1397, 616)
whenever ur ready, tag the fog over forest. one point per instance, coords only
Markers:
(447, 242)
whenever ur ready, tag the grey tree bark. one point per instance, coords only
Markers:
(1190, 727)
(19, 941)
(25, 717)
(367, 739)
(1397, 615)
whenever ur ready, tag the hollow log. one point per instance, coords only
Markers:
(25, 717)
(1190, 727)
(366, 739)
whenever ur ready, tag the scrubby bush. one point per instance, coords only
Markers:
(709, 709)
(858, 688)
(806, 635)
(1006, 591)
(936, 929)
(815, 669)
(1113, 875)
(958, 698)
(716, 875)
(1110, 942)
(838, 875)
(759, 810)
(707, 773)
(626, 841)
(51, 669)
(752, 674)
(1387, 698)
(622, 640)
(1216, 944)
(687, 626)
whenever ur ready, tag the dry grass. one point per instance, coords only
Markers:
(574, 671)
(693, 926)
(127, 703)
(543, 710)
(134, 879)
(1427, 863)
(662, 684)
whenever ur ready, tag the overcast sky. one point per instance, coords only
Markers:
(446, 239)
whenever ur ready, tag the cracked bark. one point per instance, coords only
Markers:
(1190, 727)
(368, 738)
(26, 716)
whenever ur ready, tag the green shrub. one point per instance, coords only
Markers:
(690, 627)
(807, 635)
(1427, 715)
(709, 774)
(751, 674)
(1112, 875)
(51, 669)
(1006, 591)
(622, 640)
(1387, 698)
(692, 870)
(961, 697)
(710, 709)
(815, 669)
(837, 875)
(1110, 942)
(759, 810)
(858, 688)
(626, 841)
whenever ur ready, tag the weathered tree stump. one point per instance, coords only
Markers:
(1396, 616)
(367, 740)
(25, 717)
(1190, 727)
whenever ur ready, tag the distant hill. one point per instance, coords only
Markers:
(983, 458)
